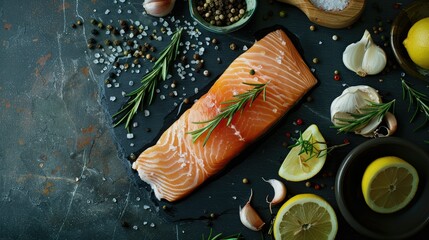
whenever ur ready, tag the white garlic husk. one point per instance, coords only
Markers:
(158, 8)
(351, 101)
(249, 217)
(365, 57)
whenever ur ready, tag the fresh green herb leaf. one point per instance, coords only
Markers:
(219, 236)
(234, 105)
(308, 147)
(366, 115)
(419, 99)
(145, 93)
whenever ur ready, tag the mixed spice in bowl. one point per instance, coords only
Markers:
(222, 16)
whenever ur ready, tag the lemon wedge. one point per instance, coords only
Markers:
(389, 184)
(305, 217)
(306, 158)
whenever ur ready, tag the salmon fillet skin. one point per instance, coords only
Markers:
(176, 165)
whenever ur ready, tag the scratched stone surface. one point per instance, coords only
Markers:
(63, 169)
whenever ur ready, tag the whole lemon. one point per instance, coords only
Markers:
(417, 43)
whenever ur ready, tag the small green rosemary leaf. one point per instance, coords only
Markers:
(146, 92)
(359, 120)
(238, 102)
(419, 99)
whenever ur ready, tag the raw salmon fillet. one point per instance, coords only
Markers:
(176, 165)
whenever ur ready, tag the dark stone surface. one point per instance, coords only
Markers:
(63, 169)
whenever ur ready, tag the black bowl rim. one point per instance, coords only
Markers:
(339, 193)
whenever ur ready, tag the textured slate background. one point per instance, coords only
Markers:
(64, 173)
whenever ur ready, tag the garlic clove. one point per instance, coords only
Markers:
(364, 57)
(279, 191)
(374, 59)
(389, 129)
(158, 8)
(352, 99)
(249, 217)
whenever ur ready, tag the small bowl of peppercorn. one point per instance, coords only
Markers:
(222, 16)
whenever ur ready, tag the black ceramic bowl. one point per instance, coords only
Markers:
(348, 192)
(399, 31)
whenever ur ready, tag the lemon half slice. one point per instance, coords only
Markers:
(301, 164)
(305, 216)
(389, 184)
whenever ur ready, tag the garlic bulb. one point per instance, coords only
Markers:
(351, 101)
(158, 8)
(364, 57)
(249, 217)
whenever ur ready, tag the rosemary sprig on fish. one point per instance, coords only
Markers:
(238, 103)
(145, 93)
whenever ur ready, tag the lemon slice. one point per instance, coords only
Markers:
(389, 184)
(307, 159)
(305, 216)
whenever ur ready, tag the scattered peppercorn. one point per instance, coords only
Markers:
(312, 28)
(252, 72)
(212, 215)
(215, 41)
(117, 42)
(136, 61)
(94, 22)
(233, 46)
(308, 184)
(282, 13)
(79, 22)
(100, 25)
(132, 157)
(245, 180)
(186, 101)
(91, 41)
(148, 130)
(315, 60)
(196, 56)
(309, 98)
(316, 186)
(206, 73)
(299, 121)
(337, 77)
(99, 46)
(74, 25)
(90, 46)
(94, 32)
(334, 37)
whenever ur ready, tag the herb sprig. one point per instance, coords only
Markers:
(145, 93)
(219, 236)
(366, 115)
(234, 105)
(308, 147)
(419, 99)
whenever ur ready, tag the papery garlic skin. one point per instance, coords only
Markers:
(364, 57)
(351, 101)
(158, 8)
(249, 217)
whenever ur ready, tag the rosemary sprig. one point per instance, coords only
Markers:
(234, 105)
(219, 236)
(309, 147)
(145, 93)
(366, 115)
(419, 99)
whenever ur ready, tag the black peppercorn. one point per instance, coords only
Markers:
(112, 74)
(94, 32)
(94, 22)
(233, 46)
(91, 40)
(74, 25)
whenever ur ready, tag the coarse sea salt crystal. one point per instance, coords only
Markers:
(107, 11)
(146, 113)
(330, 5)
(112, 98)
(130, 136)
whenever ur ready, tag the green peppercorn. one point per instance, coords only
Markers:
(100, 25)
(282, 13)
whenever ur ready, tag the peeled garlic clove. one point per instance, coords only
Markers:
(158, 8)
(279, 191)
(364, 57)
(249, 217)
